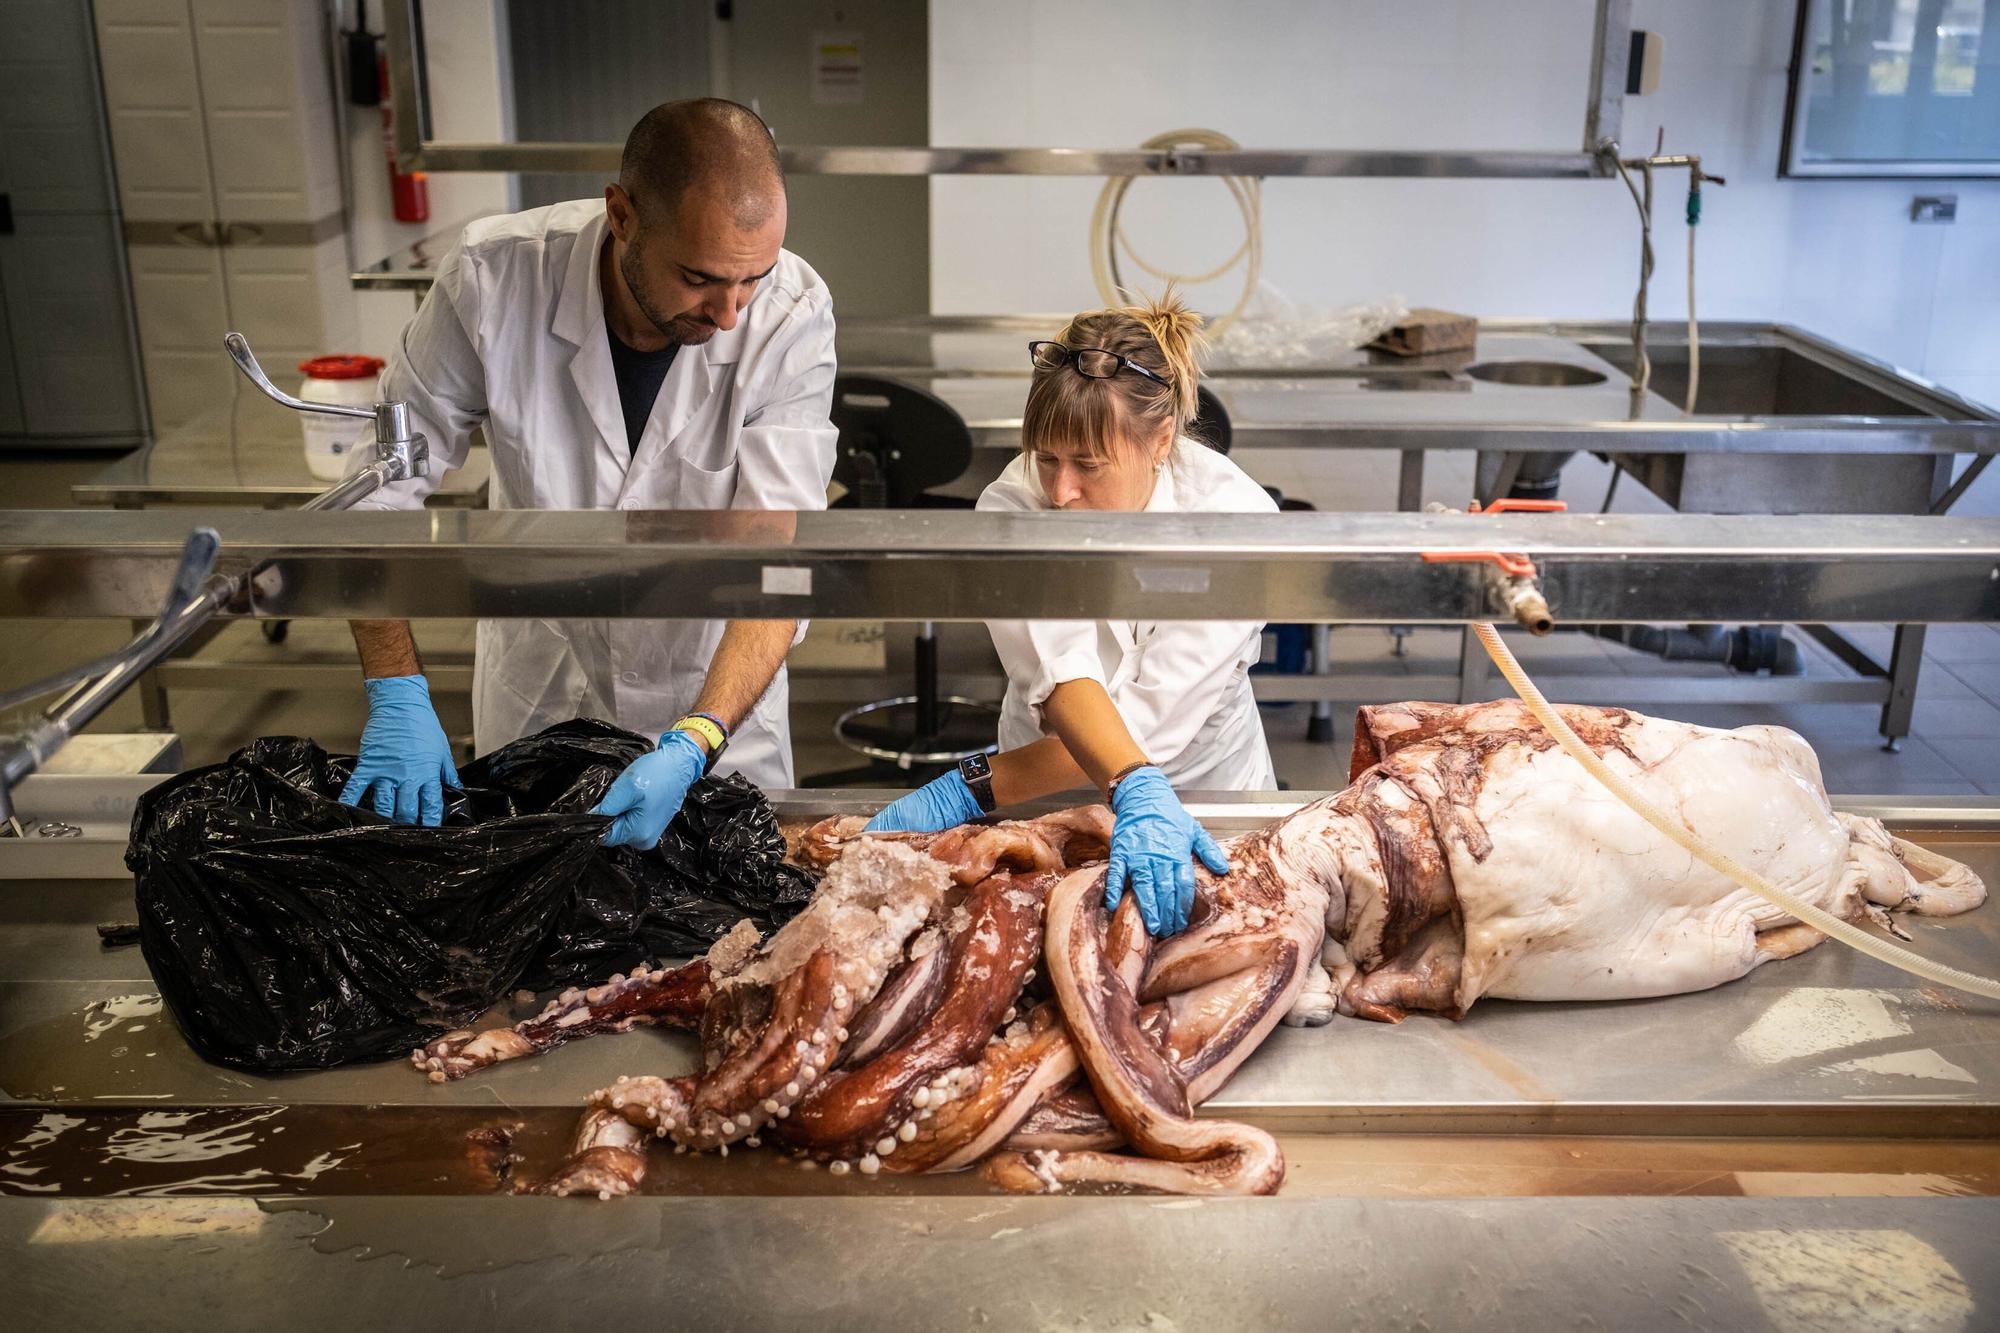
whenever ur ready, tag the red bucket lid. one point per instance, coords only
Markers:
(344, 366)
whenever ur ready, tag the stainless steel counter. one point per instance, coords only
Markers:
(1156, 1265)
(1371, 400)
(246, 453)
(1825, 1046)
(1831, 1043)
(1828, 1044)
(1365, 399)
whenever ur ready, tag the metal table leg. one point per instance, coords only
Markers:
(1319, 725)
(1472, 665)
(1495, 474)
(1409, 500)
(1906, 658)
(1410, 482)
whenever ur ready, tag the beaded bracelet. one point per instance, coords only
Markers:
(1124, 773)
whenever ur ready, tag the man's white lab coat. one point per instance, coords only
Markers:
(511, 339)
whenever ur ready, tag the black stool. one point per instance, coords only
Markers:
(896, 441)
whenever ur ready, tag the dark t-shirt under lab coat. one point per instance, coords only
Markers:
(639, 375)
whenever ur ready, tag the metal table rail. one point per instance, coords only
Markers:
(978, 566)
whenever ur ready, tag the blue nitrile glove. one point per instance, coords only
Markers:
(648, 794)
(942, 803)
(405, 761)
(1154, 843)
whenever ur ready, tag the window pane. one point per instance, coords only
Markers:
(1901, 80)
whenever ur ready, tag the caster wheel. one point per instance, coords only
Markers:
(276, 630)
(1319, 729)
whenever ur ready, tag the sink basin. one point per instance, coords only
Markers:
(1758, 380)
(1766, 381)
(1536, 374)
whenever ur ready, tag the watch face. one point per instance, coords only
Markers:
(977, 775)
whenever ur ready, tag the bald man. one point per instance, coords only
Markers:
(657, 349)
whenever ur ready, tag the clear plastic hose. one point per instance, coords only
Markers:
(1824, 922)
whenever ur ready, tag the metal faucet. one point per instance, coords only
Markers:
(400, 454)
(195, 595)
(1610, 158)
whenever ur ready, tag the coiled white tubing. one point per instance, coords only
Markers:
(1106, 235)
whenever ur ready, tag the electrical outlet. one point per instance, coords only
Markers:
(1934, 208)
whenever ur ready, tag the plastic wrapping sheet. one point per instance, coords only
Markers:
(1274, 333)
(289, 931)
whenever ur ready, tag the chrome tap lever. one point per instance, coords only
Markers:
(239, 351)
(400, 453)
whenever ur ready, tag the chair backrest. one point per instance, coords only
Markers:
(896, 441)
(1211, 420)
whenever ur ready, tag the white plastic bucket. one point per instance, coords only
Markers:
(331, 441)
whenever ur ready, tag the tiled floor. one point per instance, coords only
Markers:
(1954, 748)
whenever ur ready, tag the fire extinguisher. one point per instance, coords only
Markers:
(410, 189)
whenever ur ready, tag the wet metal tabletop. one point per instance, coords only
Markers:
(1006, 1263)
(1829, 1043)
(329, 1173)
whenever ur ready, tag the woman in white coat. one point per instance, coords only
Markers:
(1133, 708)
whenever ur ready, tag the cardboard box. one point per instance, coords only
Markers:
(1425, 331)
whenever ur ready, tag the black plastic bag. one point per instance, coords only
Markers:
(288, 931)
(720, 860)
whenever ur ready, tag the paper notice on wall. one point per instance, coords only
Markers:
(836, 66)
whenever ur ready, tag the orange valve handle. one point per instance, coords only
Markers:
(1511, 563)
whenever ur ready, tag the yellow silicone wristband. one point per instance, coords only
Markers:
(702, 727)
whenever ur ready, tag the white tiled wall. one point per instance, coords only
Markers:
(1838, 257)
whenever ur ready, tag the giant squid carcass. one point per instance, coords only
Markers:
(963, 998)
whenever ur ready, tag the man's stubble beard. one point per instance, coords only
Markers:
(684, 329)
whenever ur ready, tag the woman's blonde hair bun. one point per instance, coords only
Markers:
(1177, 330)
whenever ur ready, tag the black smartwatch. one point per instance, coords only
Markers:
(978, 776)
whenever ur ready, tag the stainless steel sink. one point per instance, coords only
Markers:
(1743, 379)
(1536, 374)
(1769, 379)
